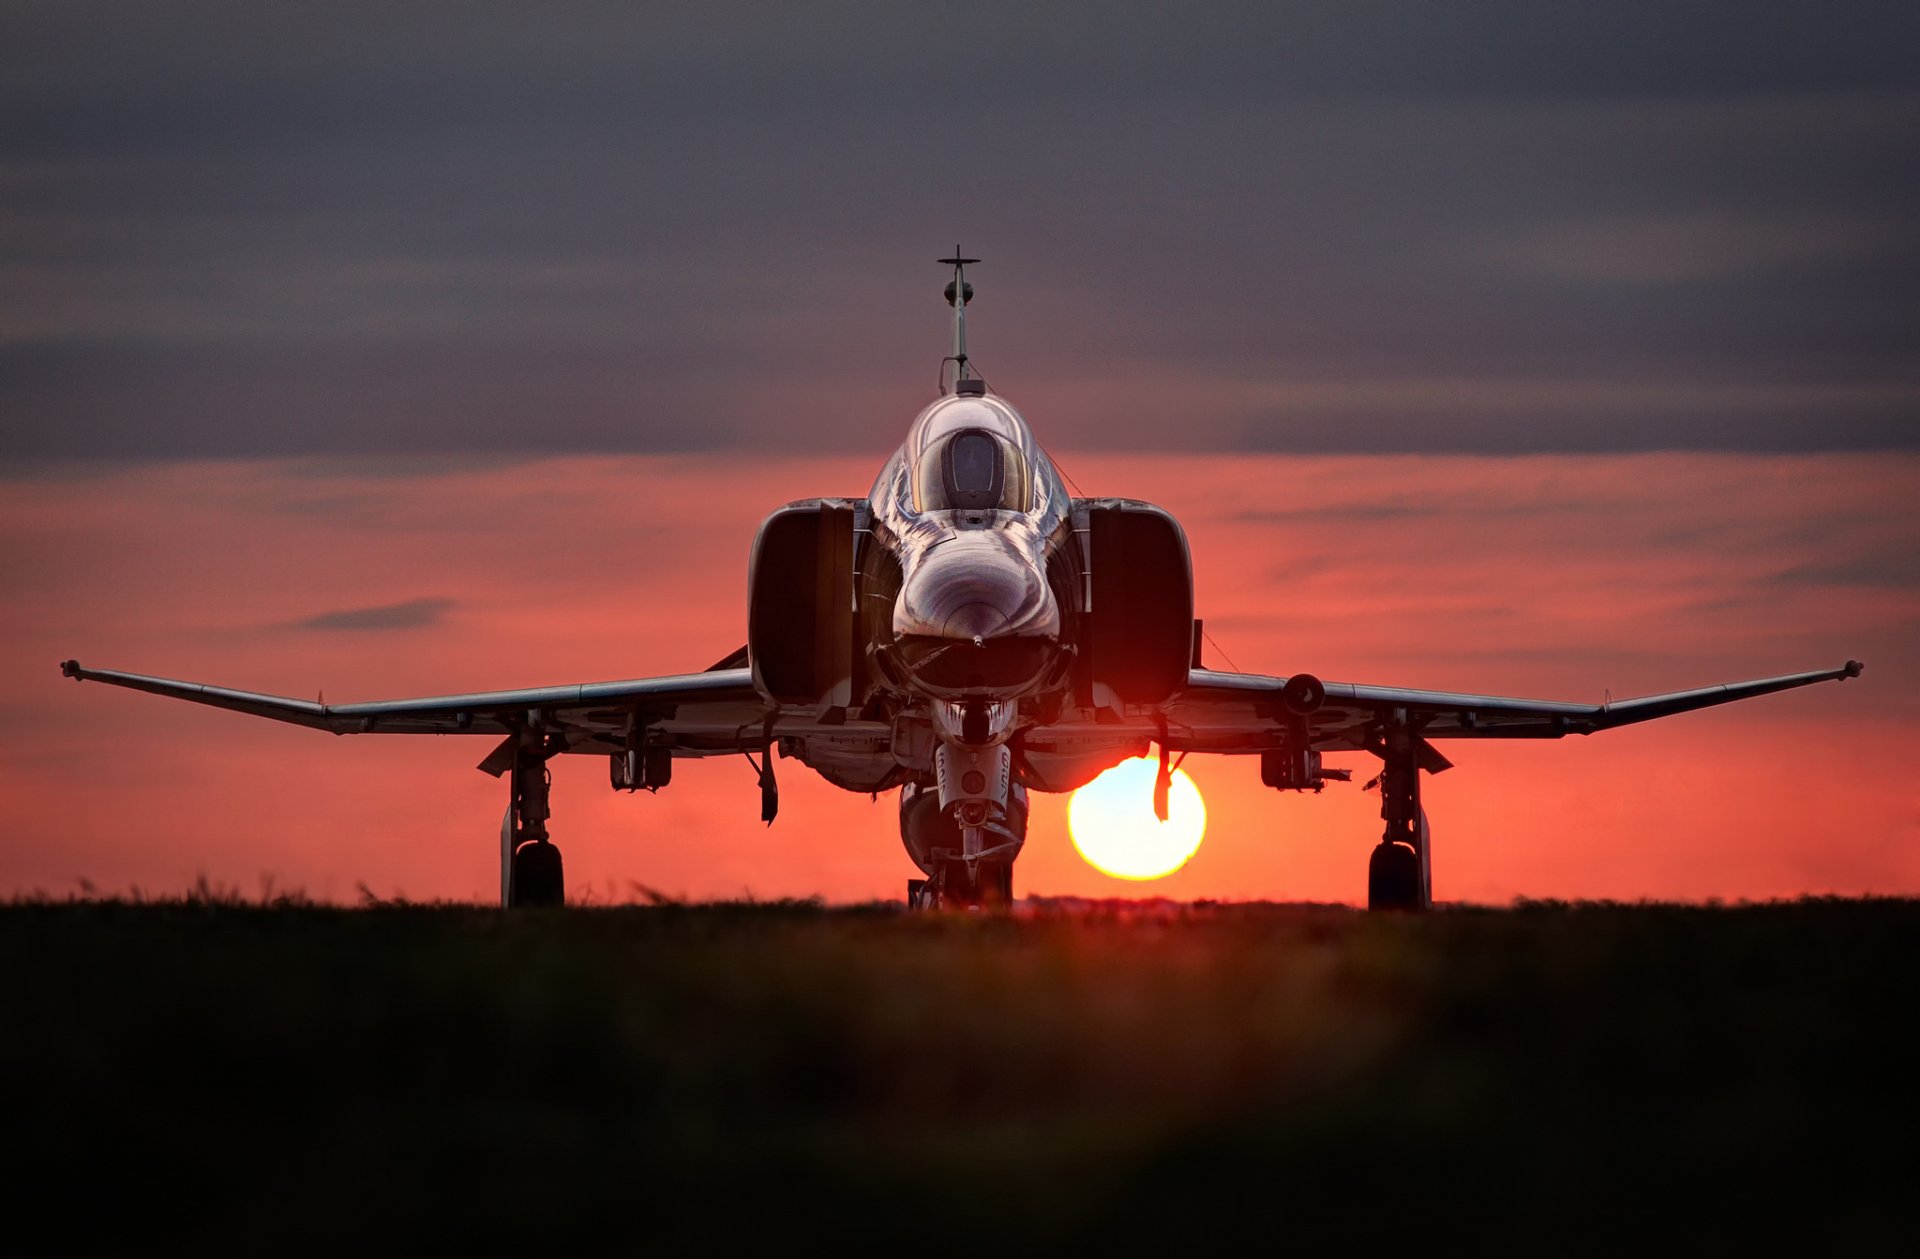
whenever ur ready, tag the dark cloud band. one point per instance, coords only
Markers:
(346, 229)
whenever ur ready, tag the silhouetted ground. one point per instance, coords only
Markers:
(207, 1075)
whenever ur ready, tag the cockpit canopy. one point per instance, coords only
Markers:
(972, 469)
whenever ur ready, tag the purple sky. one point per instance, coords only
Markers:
(352, 228)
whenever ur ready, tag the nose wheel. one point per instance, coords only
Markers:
(988, 885)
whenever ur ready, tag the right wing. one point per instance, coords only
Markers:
(1220, 710)
(1243, 713)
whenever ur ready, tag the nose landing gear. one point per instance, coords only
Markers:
(966, 851)
(987, 885)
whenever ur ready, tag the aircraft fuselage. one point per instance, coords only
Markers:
(979, 522)
(976, 515)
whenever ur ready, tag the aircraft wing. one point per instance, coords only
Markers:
(1217, 707)
(696, 714)
(719, 712)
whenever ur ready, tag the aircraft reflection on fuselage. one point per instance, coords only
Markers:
(975, 512)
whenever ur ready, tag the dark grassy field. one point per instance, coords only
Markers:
(205, 1075)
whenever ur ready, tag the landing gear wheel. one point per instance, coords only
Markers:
(1393, 878)
(917, 895)
(952, 889)
(537, 878)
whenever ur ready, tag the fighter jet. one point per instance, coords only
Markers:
(965, 635)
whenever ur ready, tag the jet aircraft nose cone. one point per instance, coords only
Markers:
(975, 613)
(975, 621)
(975, 585)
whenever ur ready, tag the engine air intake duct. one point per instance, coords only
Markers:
(1136, 637)
(801, 630)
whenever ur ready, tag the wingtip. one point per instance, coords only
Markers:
(70, 669)
(1852, 669)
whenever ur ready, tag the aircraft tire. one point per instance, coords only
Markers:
(1393, 879)
(994, 889)
(996, 880)
(537, 877)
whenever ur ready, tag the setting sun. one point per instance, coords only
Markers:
(1112, 823)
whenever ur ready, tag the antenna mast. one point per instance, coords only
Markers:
(959, 293)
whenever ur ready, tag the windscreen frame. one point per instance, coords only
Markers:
(937, 484)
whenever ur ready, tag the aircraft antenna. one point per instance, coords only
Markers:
(1222, 650)
(959, 293)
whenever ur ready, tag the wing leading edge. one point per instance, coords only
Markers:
(1352, 709)
(695, 714)
(482, 712)
(719, 711)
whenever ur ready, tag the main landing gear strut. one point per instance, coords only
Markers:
(530, 873)
(1400, 873)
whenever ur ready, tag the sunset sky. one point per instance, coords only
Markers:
(389, 350)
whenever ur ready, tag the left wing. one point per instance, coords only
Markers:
(1236, 711)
